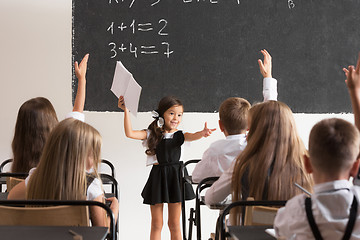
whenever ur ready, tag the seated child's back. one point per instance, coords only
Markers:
(333, 158)
(219, 156)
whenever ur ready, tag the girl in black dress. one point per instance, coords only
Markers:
(164, 142)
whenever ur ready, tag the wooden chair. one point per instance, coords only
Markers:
(259, 215)
(45, 216)
(12, 182)
(221, 232)
(5, 179)
(57, 213)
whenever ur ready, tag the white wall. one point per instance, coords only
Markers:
(35, 60)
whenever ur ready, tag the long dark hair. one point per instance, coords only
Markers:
(35, 120)
(156, 133)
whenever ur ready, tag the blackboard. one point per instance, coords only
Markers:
(204, 51)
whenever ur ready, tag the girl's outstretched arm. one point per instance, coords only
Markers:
(203, 133)
(80, 72)
(353, 84)
(129, 132)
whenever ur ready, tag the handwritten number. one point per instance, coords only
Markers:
(113, 49)
(161, 33)
(111, 28)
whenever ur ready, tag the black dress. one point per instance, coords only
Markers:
(163, 184)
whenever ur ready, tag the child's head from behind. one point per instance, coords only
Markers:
(273, 157)
(72, 148)
(170, 110)
(36, 118)
(233, 114)
(333, 146)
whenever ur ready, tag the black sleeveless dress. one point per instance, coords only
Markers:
(163, 184)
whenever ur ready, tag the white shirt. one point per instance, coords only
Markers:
(220, 190)
(218, 157)
(331, 203)
(77, 115)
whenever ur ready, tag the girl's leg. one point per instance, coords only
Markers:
(156, 221)
(174, 220)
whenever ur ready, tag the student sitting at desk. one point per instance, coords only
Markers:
(219, 156)
(233, 123)
(334, 157)
(68, 170)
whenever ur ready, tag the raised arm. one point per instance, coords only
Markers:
(269, 83)
(80, 72)
(129, 132)
(353, 85)
(197, 135)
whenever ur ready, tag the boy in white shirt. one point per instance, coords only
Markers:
(333, 158)
(219, 156)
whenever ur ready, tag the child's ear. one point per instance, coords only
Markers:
(221, 126)
(307, 164)
(355, 168)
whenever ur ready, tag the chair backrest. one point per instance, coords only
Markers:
(259, 215)
(7, 210)
(108, 165)
(4, 163)
(45, 216)
(221, 222)
(110, 180)
(12, 182)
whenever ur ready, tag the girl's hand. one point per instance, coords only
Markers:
(265, 68)
(114, 206)
(353, 76)
(80, 69)
(206, 131)
(121, 103)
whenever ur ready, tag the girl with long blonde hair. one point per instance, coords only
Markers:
(273, 158)
(70, 156)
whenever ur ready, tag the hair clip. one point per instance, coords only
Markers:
(154, 114)
(160, 122)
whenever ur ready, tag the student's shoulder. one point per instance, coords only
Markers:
(295, 205)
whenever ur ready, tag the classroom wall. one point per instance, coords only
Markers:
(35, 60)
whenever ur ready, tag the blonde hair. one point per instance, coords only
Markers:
(61, 173)
(273, 159)
(233, 114)
(333, 146)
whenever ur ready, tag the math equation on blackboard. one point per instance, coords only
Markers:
(154, 34)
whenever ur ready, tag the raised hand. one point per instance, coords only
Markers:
(266, 66)
(80, 69)
(121, 103)
(353, 76)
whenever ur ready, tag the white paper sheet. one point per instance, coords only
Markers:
(271, 232)
(125, 85)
